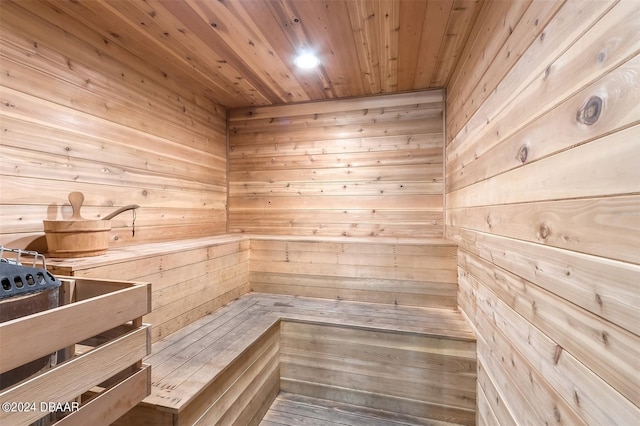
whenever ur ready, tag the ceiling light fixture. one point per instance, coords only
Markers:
(306, 61)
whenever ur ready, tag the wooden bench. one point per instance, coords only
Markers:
(228, 367)
(384, 334)
(181, 274)
(191, 278)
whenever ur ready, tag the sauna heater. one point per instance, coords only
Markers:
(26, 289)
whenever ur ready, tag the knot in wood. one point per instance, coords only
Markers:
(543, 231)
(590, 112)
(556, 355)
(523, 153)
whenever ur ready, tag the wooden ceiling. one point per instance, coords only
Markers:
(240, 52)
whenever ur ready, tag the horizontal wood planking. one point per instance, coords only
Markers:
(295, 169)
(341, 364)
(187, 283)
(591, 341)
(486, 384)
(565, 177)
(533, 95)
(125, 395)
(382, 272)
(158, 147)
(506, 31)
(542, 200)
(341, 145)
(335, 106)
(532, 62)
(607, 227)
(601, 286)
(485, 414)
(88, 370)
(586, 392)
(226, 366)
(256, 374)
(533, 142)
(133, 302)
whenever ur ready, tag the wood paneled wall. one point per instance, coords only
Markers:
(406, 272)
(542, 195)
(358, 167)
(429, 377)
(80, 113)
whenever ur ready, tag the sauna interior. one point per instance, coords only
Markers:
(438, 224)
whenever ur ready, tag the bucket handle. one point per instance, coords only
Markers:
(120, 210)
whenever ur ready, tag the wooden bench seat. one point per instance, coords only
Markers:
(228, 366)
(374, 325)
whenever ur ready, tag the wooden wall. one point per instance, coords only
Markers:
(357, 167)
(542, 195)
(80, 113)
(406, 272)
(412, 374)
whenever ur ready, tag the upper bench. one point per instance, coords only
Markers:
(191, 278)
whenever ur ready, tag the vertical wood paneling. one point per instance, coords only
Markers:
(81, 114)
(542, 198)
(362, 167)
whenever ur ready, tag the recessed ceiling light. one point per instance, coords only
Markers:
(306, 61)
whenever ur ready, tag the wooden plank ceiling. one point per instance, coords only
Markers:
(240, 53)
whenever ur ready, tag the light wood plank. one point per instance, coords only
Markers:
(133, 302)
(114, 402)
(607, 227)
(571, 66)
(533, 142)
(614, 174)
(323, 144)
(587, 392)
(87, 370)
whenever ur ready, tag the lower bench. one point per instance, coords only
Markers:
(228, 367)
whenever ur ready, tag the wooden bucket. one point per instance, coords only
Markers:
(77, 238)
(80, 237)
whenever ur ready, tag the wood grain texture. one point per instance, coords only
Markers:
(290, 410)
(346, 364)
(362, 167)
(81, 114)
(241, 53)
(402, 274)
(99, 327)
(88, 370)
(114, 402)
(542, 200)
(133, 302)
(228, 366)
(189, 279)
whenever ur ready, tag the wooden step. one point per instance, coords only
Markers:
(229, 365)
(292, 410)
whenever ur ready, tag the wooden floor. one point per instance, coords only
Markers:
(292, 410)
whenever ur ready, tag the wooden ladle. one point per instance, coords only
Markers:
(77, 198)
